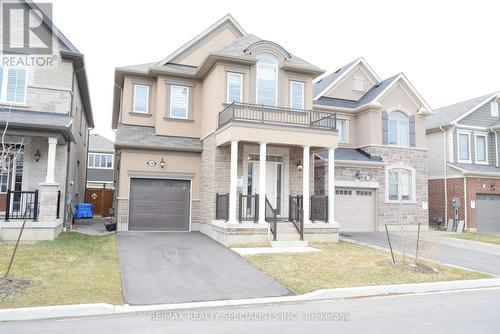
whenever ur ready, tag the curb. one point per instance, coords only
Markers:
(79, 310)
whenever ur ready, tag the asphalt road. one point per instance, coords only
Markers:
(474, 311)
(472, 255)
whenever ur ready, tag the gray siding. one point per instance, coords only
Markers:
(435, 154)
(481, 117)
(99, 174)
(491, 147)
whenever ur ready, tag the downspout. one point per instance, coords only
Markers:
(68, 153)
(496, 147)
(445, 179)
(465, 203)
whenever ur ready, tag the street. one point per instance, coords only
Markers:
(473, 311)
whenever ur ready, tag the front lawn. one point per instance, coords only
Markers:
(492, 239)
(74, 268)
(347, 265)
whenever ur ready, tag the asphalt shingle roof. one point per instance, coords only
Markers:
(477, 168)
(350, 154)
(100, 144)
(323, 83)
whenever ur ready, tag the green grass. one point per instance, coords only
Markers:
(74, 268)
(492, 239)
(345, 264)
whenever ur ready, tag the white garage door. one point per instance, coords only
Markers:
(355, 209)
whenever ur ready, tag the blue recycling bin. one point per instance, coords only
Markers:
(84, 210)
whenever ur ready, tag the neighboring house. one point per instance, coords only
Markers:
(48, 113)
(100, 163)
(193, 128)
(464, 163)
(381, 162)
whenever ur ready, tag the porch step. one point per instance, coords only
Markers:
(289, 243)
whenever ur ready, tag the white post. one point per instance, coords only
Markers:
(331, 185)
(51, 161)
(262, 182)
(305, 183)
(233, 181)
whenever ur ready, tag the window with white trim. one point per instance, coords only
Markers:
(481, 148)
(464, 147)
(359, 83)
(400, 185)
(100, 160)
(342, 127)
(494, 108)
(141, 99)
(267, 79)
(13, 85)
(234, 87)
(296, 95)
(398, 129)
(4, 180)
(179, 100)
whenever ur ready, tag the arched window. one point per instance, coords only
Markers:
(399, 129)
(267, 79)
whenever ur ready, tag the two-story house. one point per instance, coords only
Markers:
(381, 159)
(45, 113)
(193, 131)
(464, 173)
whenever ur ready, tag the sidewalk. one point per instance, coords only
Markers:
(64, 311)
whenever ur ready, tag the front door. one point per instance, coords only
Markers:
(274, 186)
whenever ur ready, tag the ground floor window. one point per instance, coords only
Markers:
(400, 185)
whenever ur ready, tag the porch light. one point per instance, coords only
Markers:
(162, 163)
(493, 186)
(37, 155)
(358, 175)
(300, 165)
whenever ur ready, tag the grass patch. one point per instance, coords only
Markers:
(345, 264)
(74, 268)
(492, 239)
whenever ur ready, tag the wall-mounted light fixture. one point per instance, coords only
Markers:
(493, 186)
(300, 166)
(162, 163)
(358, 175)
(37, 155)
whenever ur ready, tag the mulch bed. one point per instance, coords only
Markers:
(12, 286)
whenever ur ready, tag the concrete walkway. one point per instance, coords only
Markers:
(440, 247)
(94, 226)
(172, 267)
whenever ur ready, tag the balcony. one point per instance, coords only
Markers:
(300, 118)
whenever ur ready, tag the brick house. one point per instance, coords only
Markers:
(48, 113)
(464, 163)
(194, 128)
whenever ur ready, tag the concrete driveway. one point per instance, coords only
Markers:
(475, 255)
(170, 267)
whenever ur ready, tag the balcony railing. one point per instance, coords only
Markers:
(21, 205)
(256, 113)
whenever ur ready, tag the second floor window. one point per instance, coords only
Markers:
(464, 147)
(99, 160)
(13, 83)
(141, 99)
(296, 95)
(179, 102)
(267, 79)
(234, 87)
(341, 127)
(481, 149)
(398, 129)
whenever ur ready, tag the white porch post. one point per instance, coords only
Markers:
(331, 185)
(305, 183)
(233, 182)
(262, 182)
(51, 161)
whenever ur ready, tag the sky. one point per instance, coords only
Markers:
(449, 50)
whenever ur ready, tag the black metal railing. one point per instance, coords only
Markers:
(319, 208)
(248, 209)
(296, 213)
(58, 209)
(21, 205)
(237, 111)
(272, 218)
(222, 206)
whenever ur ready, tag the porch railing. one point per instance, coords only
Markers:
(237, 111)
(249, 208)
(222, 206)
(272, 218)
(319, 208)
(21, 205)
(296, 214)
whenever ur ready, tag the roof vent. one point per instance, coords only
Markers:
(378, 84)
(337, 71)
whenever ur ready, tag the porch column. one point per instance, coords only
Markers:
(233, 181)
(51, 161)
(262, 182)
(305, 183)
(331, 185)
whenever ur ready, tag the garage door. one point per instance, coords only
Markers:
(159, 205)
(355, 209)
(488, 213)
